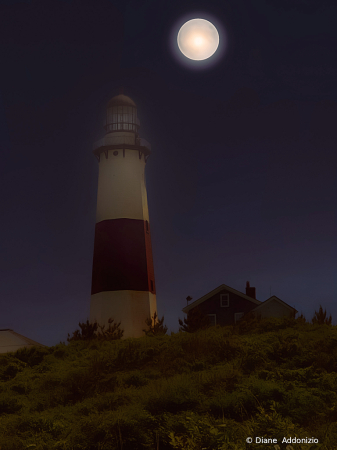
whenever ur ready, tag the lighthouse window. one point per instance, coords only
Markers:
(147, 226)
(151, 285)
(115, 153)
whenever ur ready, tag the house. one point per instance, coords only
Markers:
(10, 341)
(225, 305)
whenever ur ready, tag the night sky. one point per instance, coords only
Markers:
(242, 178)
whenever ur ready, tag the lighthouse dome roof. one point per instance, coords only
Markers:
(121, 99)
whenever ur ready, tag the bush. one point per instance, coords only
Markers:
(9, 405)
(11, 367)
(173, 395)
(32, 356)
(206, 433)
(155, 326)
(195, 321)
(89, 331)
(320, 317)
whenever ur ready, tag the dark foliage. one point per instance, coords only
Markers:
(320, 317)
(10, 367)
(301, 319)
(155, 326)
(187, 391)
(195, 321)
(9, 405)
(89, 331)
(247, 323)
(32, 356)
(112, 333)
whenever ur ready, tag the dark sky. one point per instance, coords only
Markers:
(242, 177)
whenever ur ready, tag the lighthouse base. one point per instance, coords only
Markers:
(131, 308)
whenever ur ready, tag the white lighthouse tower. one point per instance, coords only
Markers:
(123, 285)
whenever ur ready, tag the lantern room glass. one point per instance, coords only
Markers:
(121, 118)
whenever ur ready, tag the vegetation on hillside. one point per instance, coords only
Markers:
(89, 331)
(194, 321)
(155, 326)
(320, 317)
(210, 389)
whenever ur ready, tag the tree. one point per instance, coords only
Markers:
(112, 333)
(301, 319)
(320, 317)
(155, 325)
(195, 320)
(88, 331)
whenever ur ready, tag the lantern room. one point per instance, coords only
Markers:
(121, 115)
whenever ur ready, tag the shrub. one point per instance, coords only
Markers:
(9, 405)
(155, 326)
(247, 324)
(130, 429)
(206, 433)
(89, 331)
(285, 347)
(195, 321)
(128, 355)
(112, 333)
(21, 388)
(268, 422)
(32, 356)
(11, 367)
(320, 317)
(176, 394)
(302, 404)
(136, 379)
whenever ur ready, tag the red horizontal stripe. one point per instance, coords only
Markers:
(122, 256)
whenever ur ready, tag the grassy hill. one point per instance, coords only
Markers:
(206, 390)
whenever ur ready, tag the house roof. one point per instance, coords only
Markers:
(271, 299)
(215, 291)
(10, 341)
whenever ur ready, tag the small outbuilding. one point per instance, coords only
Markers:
(274, 307)
(225, 305)
(10, 341)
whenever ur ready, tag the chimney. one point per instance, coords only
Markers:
(250, 291)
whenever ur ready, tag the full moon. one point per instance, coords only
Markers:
(198, 39)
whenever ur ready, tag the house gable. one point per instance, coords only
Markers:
(215, 303)
(274, 307)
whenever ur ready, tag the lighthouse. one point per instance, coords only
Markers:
(123, 286)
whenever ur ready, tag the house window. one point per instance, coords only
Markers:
(237, 316)
(212, 318)
(224, 300)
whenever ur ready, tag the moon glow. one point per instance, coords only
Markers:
(198, 39)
